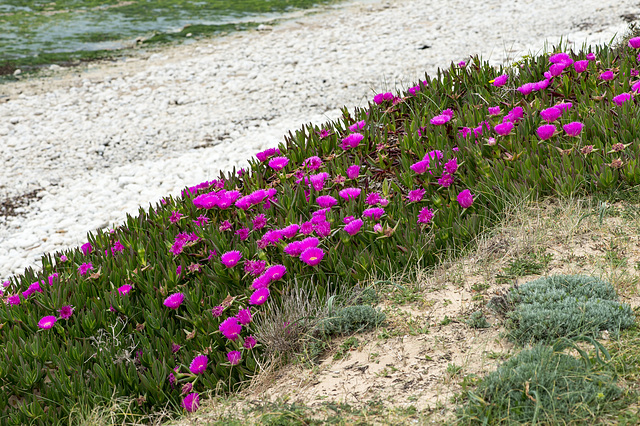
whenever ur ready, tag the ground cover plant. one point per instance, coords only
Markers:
(162, 308)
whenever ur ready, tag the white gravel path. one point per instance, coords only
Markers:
(99, 142)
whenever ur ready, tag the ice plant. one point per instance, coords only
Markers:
(621, 98)
(217, 311)
(66, 312)
(276, 272)
(174, 301)
(124, 289)
(606, 76)
(439, 120)
(634, 43)
(581, 66)
(86, 248)
(446, 180)
(231, 258)
(500, 80)
(357, 126)
(352, 141)
(191, 402)
(47, 322)
(84, 268)
(250, 342)
(353, 227)
(350, 193)
(573, 129)
(312, 256)
(425, 215)
(278, 163)
(465, 199)
(546, 131)
(244, 316)
(259, 296)
(416, 195)
(198, 365)
(504, 129)
(374, 213)
(494, 110)
(353, 171)
(326, 201)
(230, 328)
(313, 163)
(234, 357)
(550, 114)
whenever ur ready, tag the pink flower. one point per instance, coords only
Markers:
(264, 155)
(526, 88)
(259, 222)
(591, 56)
(621, 98)
(84, 268)
(556, 69)
(47, 322)
(259, 296)
(201, 220)
(573, 129)
(326, 201)
(230, 328)
(446, 180)
(373, 198)
(494, 110)
(250, 342)
(199, 364)
(323, 229)
(377, 228)
(125, 289)
(353, 227)
(174, 301)
(465, 199)
(581, 66)
(425, 216)
(357, 126)
(606, 76)
(244, 316)
(312, 256)
(566, 106)
(504, 129)
(291, 230)
(378, 99)
(439, 120)
(278, 163)
(416, 195)
(231, 258)
(353, 171)
(636, 87)
(217, 311)
(451, 166)
(352, 141)
(515, 115)
(313, 163)
(262, 281)
(66, 312)
(550, 114)
(634, 43)
(191, 402)
(14, 300)
(175, 216)
(349, 193)
(179, 270)
(546, 131)
(276, 272)
(374, 213)
(560, 58)
(226, 225)
(175, 348)
(86, 248)
(186, 388)
(500, 80)
(462, 64)
(348, 219)
(234, 357)
(242, 233)
(541, 85)
(420, 167)
(317, 181)
(306, 228)
(63, 258)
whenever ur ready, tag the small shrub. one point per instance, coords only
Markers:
(565, 306)
(352, 319)
(478, 320)
(542, 385)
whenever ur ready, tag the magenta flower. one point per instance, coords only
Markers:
(353, 171)
(420, 167)
(634, 43)
(357, 126)
(14, 300)
(306, 228)
(560, 58)
(174, 301)
(199, 364)
(217, 311)
(348, 219)
(374, 213)
(230, 328)
(276, 272)
(526, 88)
(353, 227)
(250, 342)
(278, 163)
(504, 129)
(606, 76)
(636, 87)
(47, 322)
(565, 106)
(515, 115)
(175, 216)
(234, 357)
(416, 195)
(541, 85)
(349, 193)
(179, 270)
(379, 98)
(326, 201)
(291, 230)
(425, 216)
(352, 141)
(294, 249)
(573, 129)
(451, 166)
(546, 131)
(242, 233)
(231, 258)
(175, 348)
(86, 248)
(377, 228)
(313, 163)
(465, 199)
(186, 388)
(323, 229)
(244, 316)
(500, 80)
(125, 289)
(317, 181)
(494, 110)
(581, 66)
(312, 256)
(373, 198)
(191, 402)
(84, 268)
(259, 222)
(550, 114)
(63, 258)
(621, 98)
(446, 180)
(262, 281)
(264, 155)
(259, 296)
(66, 312)
(439, 120)
(556, 69)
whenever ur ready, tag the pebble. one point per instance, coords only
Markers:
(113, 137)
